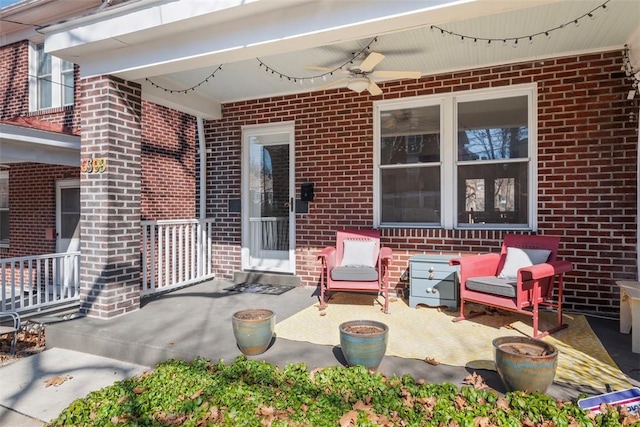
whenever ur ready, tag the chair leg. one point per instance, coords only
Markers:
(466, 316)
(386, 300)
(14, 342)
(323, 285)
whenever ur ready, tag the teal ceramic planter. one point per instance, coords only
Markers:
(525, 364)
(364, 342)
(253, 330)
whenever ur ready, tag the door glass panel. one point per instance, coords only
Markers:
(269, 195)
(69, 213)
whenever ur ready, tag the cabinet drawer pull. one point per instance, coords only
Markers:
(431, 276)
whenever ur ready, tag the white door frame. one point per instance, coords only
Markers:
(249, 262)
(65, 245)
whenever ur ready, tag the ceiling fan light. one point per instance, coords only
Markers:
(358, 84)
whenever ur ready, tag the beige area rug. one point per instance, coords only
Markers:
(428, 332)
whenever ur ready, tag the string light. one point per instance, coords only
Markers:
(189, 89)
(630, 73)
(530, 37)
(323, 76)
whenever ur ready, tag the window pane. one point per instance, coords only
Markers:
(44, 61)
(4, 225)
(44, 93)
(67, 88)
(493, 129)
(4, 192)
(66, 65)
(493, 193)
(411, 195)
(410, 135)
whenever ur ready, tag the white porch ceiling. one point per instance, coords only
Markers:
(177, 44)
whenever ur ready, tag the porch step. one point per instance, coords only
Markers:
(270, 278)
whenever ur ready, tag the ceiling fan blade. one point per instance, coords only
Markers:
(332, 84)
(315, 68)
(374, 89)
(371, 61)
(397, 74)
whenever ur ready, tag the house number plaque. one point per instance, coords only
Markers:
(93, 165)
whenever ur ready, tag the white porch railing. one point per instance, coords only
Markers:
(175, 253)
(33, 283)
(269, 234)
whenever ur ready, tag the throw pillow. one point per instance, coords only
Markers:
(518, 258)
(358, 253)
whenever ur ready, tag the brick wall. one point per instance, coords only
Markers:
(586, 171)
(31, 214)
(14, 85)
(168, 163)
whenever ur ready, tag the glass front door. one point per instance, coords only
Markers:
(267, 203)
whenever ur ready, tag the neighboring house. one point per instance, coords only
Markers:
(542, 139)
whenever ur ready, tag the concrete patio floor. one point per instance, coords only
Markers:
(196, 321)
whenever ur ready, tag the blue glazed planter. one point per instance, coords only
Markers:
(253, 330)
(366, 348)
(525, 364)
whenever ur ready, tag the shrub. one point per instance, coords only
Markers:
(252, 393)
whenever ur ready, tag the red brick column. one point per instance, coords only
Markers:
(110, 197)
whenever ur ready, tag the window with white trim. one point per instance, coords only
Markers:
(460, 160)
(51, 80)
(4, 208)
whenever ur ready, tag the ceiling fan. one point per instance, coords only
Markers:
(358, 79)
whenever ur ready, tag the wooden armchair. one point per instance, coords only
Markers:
(521, 278)
(356, 264)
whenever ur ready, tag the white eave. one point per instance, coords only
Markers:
(22, 144)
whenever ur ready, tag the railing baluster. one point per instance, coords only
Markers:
(39, 281)
(176, 253)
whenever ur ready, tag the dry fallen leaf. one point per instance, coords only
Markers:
(476, 381)
(56, 381)
(197, 394)
(349, 419)
(431, 361)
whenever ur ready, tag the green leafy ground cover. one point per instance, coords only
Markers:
(253, 393)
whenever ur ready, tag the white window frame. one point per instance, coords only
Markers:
(4, 175)
(448, 160)
(57, 82)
